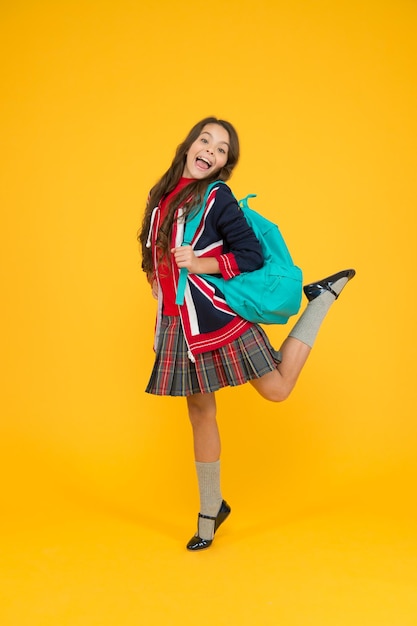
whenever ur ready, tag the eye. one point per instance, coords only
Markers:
(222, 150)
(204, 140)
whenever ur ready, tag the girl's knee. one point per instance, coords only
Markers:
(201, 407)
(197, 404)
(274, 390)
(280, 395)
(276, 395)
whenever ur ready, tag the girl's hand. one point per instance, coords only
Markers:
(184, 257)
(155, 289)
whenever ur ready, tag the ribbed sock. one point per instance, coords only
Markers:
(308, 325)
(208, 475)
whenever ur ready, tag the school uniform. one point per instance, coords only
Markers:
(203, 345)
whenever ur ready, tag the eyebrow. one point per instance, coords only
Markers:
(206, 132)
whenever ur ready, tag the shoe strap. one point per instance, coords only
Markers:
(207, 517)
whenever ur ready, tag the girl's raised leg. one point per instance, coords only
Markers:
(278, 384)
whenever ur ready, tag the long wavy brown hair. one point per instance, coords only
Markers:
(189, 197)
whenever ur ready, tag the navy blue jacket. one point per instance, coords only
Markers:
(208, 322)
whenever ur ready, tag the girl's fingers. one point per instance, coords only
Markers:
(184, 257)
(183, 253)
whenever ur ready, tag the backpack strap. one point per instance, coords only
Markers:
(244, 202)
(191, 226)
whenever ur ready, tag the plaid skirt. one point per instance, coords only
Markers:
(174, 374)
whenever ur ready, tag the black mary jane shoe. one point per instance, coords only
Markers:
(196, 542)
(316, 289)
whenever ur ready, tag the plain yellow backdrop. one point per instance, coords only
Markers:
(95, 97)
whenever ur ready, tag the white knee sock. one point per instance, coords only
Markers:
(208, 475)
(308, 325)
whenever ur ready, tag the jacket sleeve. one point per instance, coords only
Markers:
(242, 251)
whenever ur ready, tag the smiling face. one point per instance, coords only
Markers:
(208, 154)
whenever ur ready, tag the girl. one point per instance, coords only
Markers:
(203, 345)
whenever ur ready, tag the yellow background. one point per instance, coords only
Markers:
(95, 97)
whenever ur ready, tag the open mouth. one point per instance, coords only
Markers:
(203, 163)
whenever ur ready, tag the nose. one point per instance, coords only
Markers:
(209, 149)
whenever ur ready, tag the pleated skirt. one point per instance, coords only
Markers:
(249, 356)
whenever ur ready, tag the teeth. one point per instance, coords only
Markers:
(205, 161)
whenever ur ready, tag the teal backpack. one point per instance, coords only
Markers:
(269, 295)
